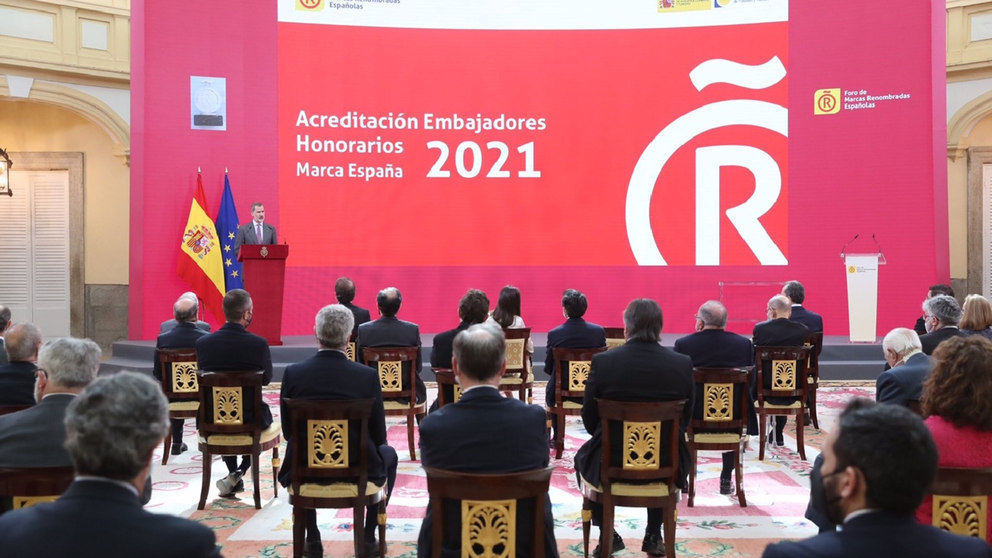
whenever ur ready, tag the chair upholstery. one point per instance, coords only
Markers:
(226, 430)
(519, 375)
(646, 475)
(787, 366)
(572, 367)
(388, 361)
(815, 341)
(488, 510)
(614, 337)
(180, 386)
(325, 473)
(721, 422)
(961, 501)
(27, 487)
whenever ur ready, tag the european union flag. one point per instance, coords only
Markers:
(227, 228)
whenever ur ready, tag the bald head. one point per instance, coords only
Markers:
(779, 307)
(185, 309)
(22, 342)
(713, 314)
(389, 301)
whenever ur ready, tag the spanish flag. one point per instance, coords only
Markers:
(201, 263)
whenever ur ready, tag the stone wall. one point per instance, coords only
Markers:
(106, 315)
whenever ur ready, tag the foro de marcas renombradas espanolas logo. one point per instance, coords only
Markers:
(826, 101)
(309, 5)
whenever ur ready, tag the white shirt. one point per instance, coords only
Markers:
(466, 390)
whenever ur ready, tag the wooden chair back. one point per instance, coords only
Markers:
(724, 398)
(814, 340)
(488, 510)
(27, 487)
(572, 367)
(352, 347)
(446, 377)
(516, 351)
(223, 403)
(614, 337)
(323, 440)
(646, 429)
(179, 380)
(961, 501)
(787, 367)
(396, 367)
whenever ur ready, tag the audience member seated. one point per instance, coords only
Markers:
(920, 328)
(233, 348)
(507, 313)
(473, 309)
(639, 370)
(4, 324)
(796, 293)
(941, 315)
(471, 437)
(112, 430)
(712, 346)
(390, 331)
(22, 343)
(778, 331)
(344, 292)
(909, 368)
(35, 437)
(955, 401)
(183, 335)
(575, 333)
(976, 316)
(330, 376)
(877, 466)
(169, 324)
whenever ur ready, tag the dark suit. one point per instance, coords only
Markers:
(636, 371)
(393, 332)
(780, 332)
(247, 235)
(904, 382)
(575, 333)
(471, 437)
(934, 338)
(181, 336)
(330, 376)
(169, 324)
(17, 383)
(35, 437)
(230, 348)
(812, 320)
(3, 353)
(441, 354)
(882, 534)
(103, 518)
(920, 328)
(361, 315)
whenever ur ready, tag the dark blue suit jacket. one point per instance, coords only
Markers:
(902, 383)
(95, 515)
(182, 336)
(934, 338)
(330, 376)
(393, 332)
(361, 315)
(17, 383)
(575, 333)
(718, 348)
(882, 534)
(812, 320)
(778, 333)
(232, 347)
(485, 433)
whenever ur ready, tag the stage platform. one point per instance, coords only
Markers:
(840, 359)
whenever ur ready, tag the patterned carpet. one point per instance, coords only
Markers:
(777, 491)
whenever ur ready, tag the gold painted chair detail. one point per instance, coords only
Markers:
(28, 487)
(721, 423)
(614, 337)
(180, 386)
(572, 367)
(489, 511)
(961, 501)
(328, 469)
(646, 474)
(396, 367)
(786, 367)
(224, 427)
(519, 376)
(351, 347)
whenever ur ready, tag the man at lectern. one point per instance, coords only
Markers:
(256, 232)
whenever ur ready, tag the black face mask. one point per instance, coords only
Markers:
(828, 505)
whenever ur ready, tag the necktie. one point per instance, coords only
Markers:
(258, 232)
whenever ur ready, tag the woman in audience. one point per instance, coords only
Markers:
(977, 319)
(507, 312)
(956, 403)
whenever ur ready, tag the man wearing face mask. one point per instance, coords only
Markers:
(941, 315)
(877, 466)
(233, 348)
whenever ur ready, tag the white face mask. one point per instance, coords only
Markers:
(929, 322)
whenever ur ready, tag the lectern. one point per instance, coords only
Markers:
(265, 277)
(862, 294)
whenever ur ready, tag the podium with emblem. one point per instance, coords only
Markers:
(265, 279)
